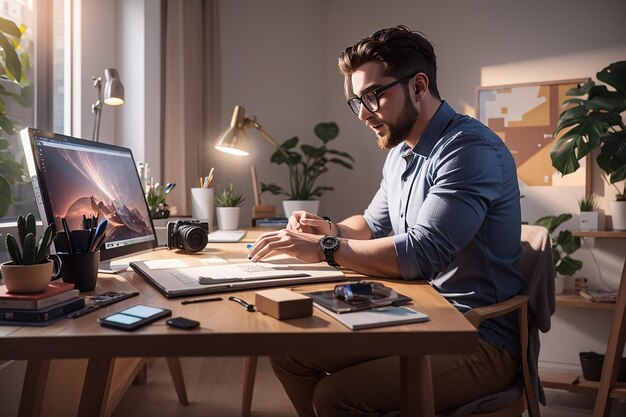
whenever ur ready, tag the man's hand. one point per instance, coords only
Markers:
(304, 246)
(305, 222)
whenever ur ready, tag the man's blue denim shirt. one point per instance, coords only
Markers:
(452, 204)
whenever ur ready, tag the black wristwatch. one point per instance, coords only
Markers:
(330, 244)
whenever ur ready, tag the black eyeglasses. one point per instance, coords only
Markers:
(370, 99)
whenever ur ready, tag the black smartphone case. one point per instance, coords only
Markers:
(182, 323)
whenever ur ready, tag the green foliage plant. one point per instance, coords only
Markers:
(228, 197)
(588, 203)
(306, 166)
(13, 85)
(563, 245)
(27, 251)
(594, 121)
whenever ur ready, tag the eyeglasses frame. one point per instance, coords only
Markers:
(377, 92)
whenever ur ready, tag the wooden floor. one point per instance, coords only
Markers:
(214, 390)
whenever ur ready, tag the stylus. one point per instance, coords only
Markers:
(201, 300)
(249, 307)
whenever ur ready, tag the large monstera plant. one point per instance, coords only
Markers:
(13, 86)
(594, 121)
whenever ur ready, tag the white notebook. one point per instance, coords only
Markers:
(376, 317)
(226, 236)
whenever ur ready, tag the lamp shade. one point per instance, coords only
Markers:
(233, 140)
(113, 88)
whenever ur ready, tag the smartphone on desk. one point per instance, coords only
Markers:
(134, 317)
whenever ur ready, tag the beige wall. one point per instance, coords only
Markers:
(287, 76)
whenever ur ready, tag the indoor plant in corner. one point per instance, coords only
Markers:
(228, 208)
(29, 270)
(563, 245)
(305, 168)
(594, 121)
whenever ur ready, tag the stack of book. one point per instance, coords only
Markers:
(39, 309)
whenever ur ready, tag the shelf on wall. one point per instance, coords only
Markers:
(607, 234)
(575, 382)
(574, 300)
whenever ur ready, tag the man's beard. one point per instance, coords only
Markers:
(398, 132)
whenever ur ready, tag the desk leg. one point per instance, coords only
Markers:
(96, 387)
(34, 388)
(416, 386)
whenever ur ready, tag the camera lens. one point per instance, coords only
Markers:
(192, 238)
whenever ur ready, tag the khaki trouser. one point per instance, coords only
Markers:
(367, 386)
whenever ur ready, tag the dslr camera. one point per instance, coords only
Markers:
(189, 235)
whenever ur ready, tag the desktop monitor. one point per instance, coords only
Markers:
(74, 177)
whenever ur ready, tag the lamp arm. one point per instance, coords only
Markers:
(270, 139)
(96, 109)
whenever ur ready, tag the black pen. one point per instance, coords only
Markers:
(201, 300)
(70, 247)
(249, 307)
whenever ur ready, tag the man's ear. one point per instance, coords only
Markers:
(421, 84)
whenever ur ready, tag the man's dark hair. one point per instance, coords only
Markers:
(400, 51)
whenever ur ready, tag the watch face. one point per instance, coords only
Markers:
(329, 242)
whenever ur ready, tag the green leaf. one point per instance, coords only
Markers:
(290, 143)
(326, 131)
(341, 162)
(552, 222)
(312, 151)
(12, 61)
(581, 89)
(615, 76)
(5, 196)
(7, 125)
(10, 28)
(568, 266)
(342, 154)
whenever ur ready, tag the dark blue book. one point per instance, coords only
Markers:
(10, 316)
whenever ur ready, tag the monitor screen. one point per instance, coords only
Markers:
(73, 178)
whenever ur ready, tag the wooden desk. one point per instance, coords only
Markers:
(229, 330)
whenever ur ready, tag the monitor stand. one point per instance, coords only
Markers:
(106, 267)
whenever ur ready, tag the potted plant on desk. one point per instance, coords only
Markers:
(305, 168)
(228, 208)
(594, 122)
(29, 270)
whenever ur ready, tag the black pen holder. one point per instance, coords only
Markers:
(80, 269)
(79, 241)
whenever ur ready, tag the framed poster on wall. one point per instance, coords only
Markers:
(525, 117)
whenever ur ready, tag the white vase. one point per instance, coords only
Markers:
(228, 218)
(618, 212)
(589, 220)
(289, 206)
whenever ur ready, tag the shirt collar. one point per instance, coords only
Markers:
(435, 129)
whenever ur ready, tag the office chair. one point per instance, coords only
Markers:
(534, 308)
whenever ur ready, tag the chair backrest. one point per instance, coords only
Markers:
(537, 267)
(534, 308)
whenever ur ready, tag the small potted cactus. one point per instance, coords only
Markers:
(30, 270)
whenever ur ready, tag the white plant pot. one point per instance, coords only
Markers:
(589, 220)
(618, 212)
(228, 218)
(289, 206)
